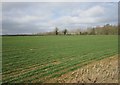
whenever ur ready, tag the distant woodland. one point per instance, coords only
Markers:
(103, 30)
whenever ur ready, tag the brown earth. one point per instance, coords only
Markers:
(102, 71)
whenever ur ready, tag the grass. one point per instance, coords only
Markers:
(31, 58)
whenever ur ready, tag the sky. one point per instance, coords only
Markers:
(60, 0)
(36, 17)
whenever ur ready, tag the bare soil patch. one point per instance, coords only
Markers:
(102, 71)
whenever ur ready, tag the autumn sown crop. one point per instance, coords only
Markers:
(41, 58)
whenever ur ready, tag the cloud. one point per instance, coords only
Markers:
(23, 19)
(93, 12)
(89, 16)
(60, 1)
(0, 18)
(43, 17)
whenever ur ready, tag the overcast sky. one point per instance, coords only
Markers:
(31, 17)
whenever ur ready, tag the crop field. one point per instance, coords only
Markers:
(41, 58)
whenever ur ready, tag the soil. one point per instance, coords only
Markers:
(102, 71)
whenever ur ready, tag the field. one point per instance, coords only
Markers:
(42, 58)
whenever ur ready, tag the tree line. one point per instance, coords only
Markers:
(103, 30)
(98, 30)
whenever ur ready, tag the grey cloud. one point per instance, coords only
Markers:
(14, 28)
(32, 17)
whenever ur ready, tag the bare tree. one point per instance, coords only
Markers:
(65, 31)
(92, 31)
(56, 31)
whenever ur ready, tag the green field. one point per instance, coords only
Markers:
(40, 58)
